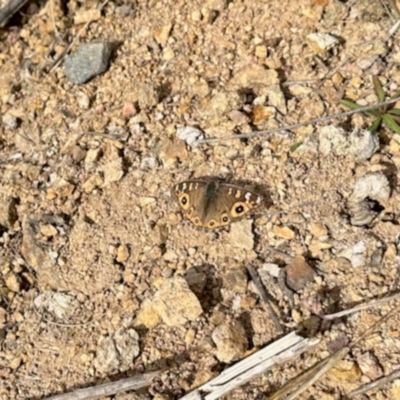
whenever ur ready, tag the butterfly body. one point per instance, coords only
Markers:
(212, 204)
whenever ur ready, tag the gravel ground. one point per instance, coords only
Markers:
(102, 277)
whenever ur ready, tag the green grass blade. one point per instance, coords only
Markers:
(295, 146)
(397, 94)
(350, 104)
(380, 93)
(375, 125)
(375, 113)
(394, 111)
(391, 123)
(353, 106)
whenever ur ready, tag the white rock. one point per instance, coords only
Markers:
(127, 344)
(333, 140)
(270, 268)
(241, 235)
(358, 260)
(189, 134)
(148, 163)
(321, 42)
(359, 247)
(363, 143)
(107, 357)
(373, 185)
(59, 304)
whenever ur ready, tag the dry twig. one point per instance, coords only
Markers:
(308, 378)
(361, 307)
(13, 157)
(375, 384)
(264, 295)
(278, 352)
(109, 388)
(300, 124)
(10, 9)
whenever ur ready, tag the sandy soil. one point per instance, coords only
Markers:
(89, 229)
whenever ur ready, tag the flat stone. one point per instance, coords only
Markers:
(8, 211)
(370, 366)
(13, 282)
(92, 183)
(241, 235)
(231, 341)
(60, 189)
(107, 357)
(320, 43)
(283, 232)
(90, 60)
(236, 280)
(196, 280)
(318, 229)
(254, 76)
(48, 230)
(127, 345)
(122, 253)
(148, 96)
(162, 34)
(113, 171)
(170, 152)
(147, 317)
(345, 371)
(299, 273)
(175, 303)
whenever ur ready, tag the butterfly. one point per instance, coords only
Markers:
(212, 204)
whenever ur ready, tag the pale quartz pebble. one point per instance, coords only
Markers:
(189, 134)
(361, 144)
(374, 185)
(272, 269)
(321, 42)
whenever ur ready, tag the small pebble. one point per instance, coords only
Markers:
(189, 134)
(90, 60)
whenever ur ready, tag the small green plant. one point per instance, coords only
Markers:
(385, 114)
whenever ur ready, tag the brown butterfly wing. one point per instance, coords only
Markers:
(190, 195)
(212, 204)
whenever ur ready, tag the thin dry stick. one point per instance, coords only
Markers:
(48, 321)
(52, 46)
(331, 73)
(394, 28)
(374, 326)
(396, 279)
(62, 55)
(9, 10)
(386, 379)
(109, 388)
(299, 81)
(289, 347)
(309, 377)
(395, 10)
(325, 365)
(52, 17)
(371, 304)
(13, 157)
(376, 384)
(300, 124)
(263, 293)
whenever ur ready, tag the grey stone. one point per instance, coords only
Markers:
(90, 60)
